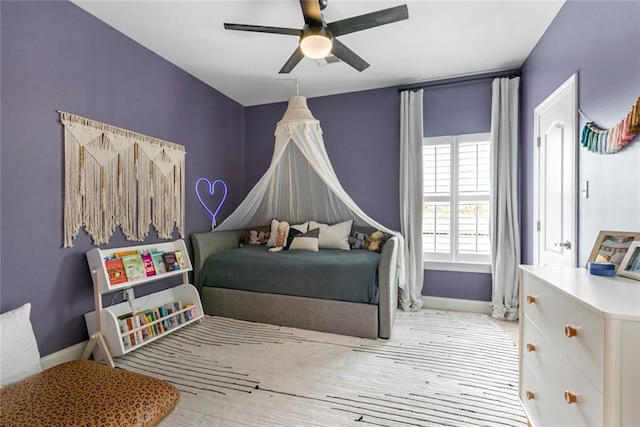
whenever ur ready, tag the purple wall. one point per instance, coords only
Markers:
(457, 109)
(56, 56)
(599, 40)
(361, 134)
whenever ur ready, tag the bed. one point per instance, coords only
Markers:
(344, 292)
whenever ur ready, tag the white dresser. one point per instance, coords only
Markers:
(579, 348)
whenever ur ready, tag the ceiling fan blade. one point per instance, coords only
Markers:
(263, 29)
(347, 55)
(369, 20)
(311, 12)
(292, 61)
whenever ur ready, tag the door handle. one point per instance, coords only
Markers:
(566, 245)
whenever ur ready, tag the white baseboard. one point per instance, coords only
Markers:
(65, 355)
(454, 304)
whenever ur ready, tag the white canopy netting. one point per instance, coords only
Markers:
(301, 185)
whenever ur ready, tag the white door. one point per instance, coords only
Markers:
(555, 169)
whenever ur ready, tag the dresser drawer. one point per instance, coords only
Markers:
(549, 375)
(539, 404)
(559, 315)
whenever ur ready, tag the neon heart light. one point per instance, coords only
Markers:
(211, 190)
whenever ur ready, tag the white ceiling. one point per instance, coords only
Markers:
(441, 39)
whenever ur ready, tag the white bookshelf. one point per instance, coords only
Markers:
(103, 324)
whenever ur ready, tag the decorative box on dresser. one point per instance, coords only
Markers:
(579, 348)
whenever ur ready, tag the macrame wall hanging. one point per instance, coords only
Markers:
(609, 141)
(115, 177)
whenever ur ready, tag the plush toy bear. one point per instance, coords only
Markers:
(281, 237)
(376, 241)
(253, 237)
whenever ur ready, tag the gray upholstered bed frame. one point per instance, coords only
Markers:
(339, 317)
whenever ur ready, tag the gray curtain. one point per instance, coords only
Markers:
(411, 196)
(505, 231)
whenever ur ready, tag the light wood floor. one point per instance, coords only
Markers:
(512, 328)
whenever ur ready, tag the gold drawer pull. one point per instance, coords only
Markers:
(570, 331)
(531, 299)
(530, 395)
(531, 347)
(570, 397)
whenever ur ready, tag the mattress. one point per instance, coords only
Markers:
(331, 274)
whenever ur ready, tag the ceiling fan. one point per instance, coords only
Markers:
(318, 38)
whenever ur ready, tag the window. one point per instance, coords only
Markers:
(455, 216)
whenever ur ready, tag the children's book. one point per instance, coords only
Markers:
(171, 261)
(158, 262)
(132, 335)
(136, 324)
(180, 259)
(177, 306)
(146, 332)
(134, 267)
(126, 340)
(115, 271)
(124, 253)
(147, 261)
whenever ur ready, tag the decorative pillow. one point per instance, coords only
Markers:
(19, 354)
(305, 241)
(334, 236)
(274, 230)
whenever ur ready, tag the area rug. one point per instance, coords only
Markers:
(438, 369)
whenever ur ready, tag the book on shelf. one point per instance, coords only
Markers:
(151, 320)
(130, 327)
(115, 271)
(147, 262)
(147, 331)
(126, 341)
(171, 261)
(136, 325)
(136, 328)
(180, 259)
(126, 325)
(191, 313)
(158, 316)
(177, 306)
(170, 309)
(134, 267)
(121, 254)
(158, 262)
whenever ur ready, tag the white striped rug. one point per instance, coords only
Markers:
(440, 368)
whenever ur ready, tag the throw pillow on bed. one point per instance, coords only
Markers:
(274, 230)
(19, 356)
(303, 241)
(334, 236)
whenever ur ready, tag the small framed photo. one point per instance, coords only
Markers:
(630, 265)
(612, 246)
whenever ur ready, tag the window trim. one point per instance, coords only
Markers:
(459, 266)
(453, 261)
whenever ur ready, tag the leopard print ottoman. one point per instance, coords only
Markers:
(86, 393)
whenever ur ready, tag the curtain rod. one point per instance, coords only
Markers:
(509, 74)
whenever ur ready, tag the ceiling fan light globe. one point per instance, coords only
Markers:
(316, 46)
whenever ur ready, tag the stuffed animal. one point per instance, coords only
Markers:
(253, 237)
(357, 240)
(281, 237)
(263, 237)
(376, 241)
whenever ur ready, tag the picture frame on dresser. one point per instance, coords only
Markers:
(630, 265)
(612, 246)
